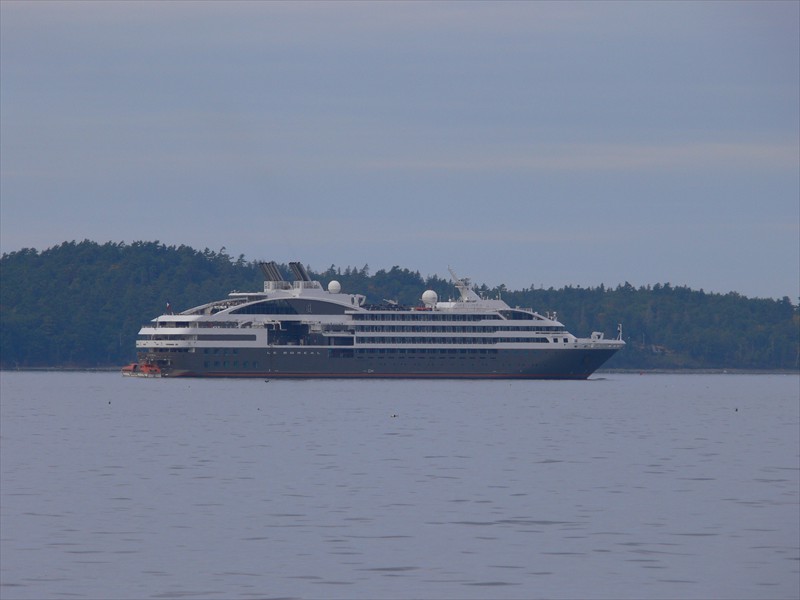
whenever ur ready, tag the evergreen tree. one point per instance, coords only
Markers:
(81, 304)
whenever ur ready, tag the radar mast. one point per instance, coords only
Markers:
(463, 287)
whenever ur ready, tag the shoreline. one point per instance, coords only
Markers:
(729, 371)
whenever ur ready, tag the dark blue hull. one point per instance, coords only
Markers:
(303, 362)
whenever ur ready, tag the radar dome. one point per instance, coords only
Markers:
(429, 298)
(334, 287)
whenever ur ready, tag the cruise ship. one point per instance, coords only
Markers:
(300, 329)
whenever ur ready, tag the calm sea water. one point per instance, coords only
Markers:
(623, 486)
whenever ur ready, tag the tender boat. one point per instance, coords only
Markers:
(141, 370)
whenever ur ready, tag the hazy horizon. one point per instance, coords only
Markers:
(521, 143)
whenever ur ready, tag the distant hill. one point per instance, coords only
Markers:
(81, 305)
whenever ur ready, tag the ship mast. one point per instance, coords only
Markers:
(463, 286)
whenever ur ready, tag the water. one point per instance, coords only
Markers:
(623, 486)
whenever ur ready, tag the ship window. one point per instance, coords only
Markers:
(517, 315)
(290, 306)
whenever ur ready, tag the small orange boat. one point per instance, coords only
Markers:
(143, 370)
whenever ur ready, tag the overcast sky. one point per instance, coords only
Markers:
(521, 143)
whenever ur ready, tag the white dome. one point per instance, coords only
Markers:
(334, 287)
(429, 298)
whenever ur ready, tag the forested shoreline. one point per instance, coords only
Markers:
(81, 304)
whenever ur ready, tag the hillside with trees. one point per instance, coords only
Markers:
(81, 305)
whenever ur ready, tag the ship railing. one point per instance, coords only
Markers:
(306, 285)
(192, 324)
(336, 327)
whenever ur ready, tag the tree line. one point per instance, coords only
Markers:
(81, 304)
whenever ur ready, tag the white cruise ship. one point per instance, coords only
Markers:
(301, 329)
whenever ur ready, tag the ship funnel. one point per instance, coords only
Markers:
(271, 271)
(300, 273)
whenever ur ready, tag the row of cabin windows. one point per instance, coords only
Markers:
(422, 316)
(395, 353)
(425, 351)
(202, 324)
(449, 340)
(246, 364)
(451, 329)
(225, 337)
(163, 350)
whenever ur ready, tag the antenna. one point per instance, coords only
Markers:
(463, 286)
(458, 281)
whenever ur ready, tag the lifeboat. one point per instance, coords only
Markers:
(143, 370)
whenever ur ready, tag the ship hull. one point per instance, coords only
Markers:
(312, 363)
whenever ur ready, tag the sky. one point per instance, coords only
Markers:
(521, 143)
